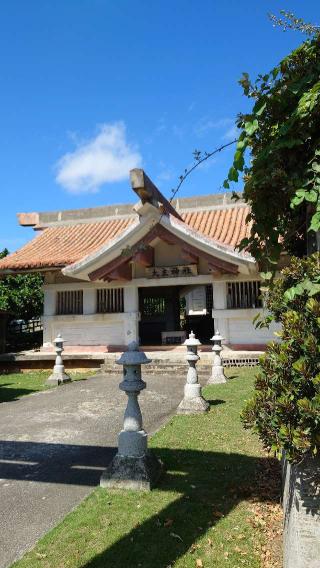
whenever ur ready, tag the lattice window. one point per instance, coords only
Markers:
(110, 301)
(154, 306)
(209, 298)
(69, 302)
(244, 295)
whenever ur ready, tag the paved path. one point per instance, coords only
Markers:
(54, 445)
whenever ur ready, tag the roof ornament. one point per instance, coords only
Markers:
(149, 193)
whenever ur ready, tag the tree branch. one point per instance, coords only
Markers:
(199, 160)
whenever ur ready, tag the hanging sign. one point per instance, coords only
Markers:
(172, 271)
(196, 301)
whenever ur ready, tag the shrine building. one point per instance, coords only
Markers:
(150, 271)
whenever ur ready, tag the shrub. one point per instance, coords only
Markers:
(285, 408)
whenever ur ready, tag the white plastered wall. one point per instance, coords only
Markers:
(236, 325)
(90, 328)
(120, 329)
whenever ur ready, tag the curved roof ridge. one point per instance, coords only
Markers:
(210, 241)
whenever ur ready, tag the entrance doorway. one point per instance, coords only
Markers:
(163, 309)
(160, 311)
(202, 324)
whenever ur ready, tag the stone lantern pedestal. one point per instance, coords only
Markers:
(134, 466)
(217, 374)
(58, 376)
(193, 402)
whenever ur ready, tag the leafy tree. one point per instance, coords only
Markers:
(289, 21)
(282, 187)
(282, 178)
(285, 408)
(4, 253)
(21, 294)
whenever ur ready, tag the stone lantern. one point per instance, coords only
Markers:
(134, 466)
(193, 402)
(217, 374)
(58, 376)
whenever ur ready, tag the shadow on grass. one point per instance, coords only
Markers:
(215, 402)
(9, 393)
(231, 377)
(203, 488)
(209, 485)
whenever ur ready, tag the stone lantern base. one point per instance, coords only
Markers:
(193, 402)
(137, 473)
(217, 377)
(58, 378)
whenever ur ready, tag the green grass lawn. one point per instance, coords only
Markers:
(16, 385)
(203, 513)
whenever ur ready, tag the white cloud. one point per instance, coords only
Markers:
(178, 131)
(162, 125)
(166, 174)
(106, 158)
(231, 134)
(205, 124)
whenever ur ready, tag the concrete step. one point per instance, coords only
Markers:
(177, 369)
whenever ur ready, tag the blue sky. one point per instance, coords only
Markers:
(90, 88)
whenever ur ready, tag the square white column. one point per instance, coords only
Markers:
(49, 301)
(220, 303)
(131, 309)
(49, 311)
(89, 301)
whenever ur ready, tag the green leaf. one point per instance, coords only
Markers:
(233, 174)
(273, 260)
(314, 289)
(259, 108)
(242, 143)
(238, 161)
(251, 127)
(290, 294)
(312, 196)
(266, 275)
(296, 201)
(315, 222)
(256, 318)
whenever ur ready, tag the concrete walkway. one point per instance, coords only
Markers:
(54, 445)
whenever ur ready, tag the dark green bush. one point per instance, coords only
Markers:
(285, 408)
(21, 294)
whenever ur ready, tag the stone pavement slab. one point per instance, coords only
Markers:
(54, 445)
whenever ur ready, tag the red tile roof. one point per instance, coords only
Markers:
(61, 245)
(226, 225)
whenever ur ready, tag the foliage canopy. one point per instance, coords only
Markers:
(289, 21)
(285, 409)
(282, 179)
(21, 294)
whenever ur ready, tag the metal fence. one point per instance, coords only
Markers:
(23, 334)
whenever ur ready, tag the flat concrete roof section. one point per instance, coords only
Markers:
(46, 218)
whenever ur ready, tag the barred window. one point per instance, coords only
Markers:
(110, 301)
(244, 295)
(69, 302)
(154, 306)
(209, 298)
